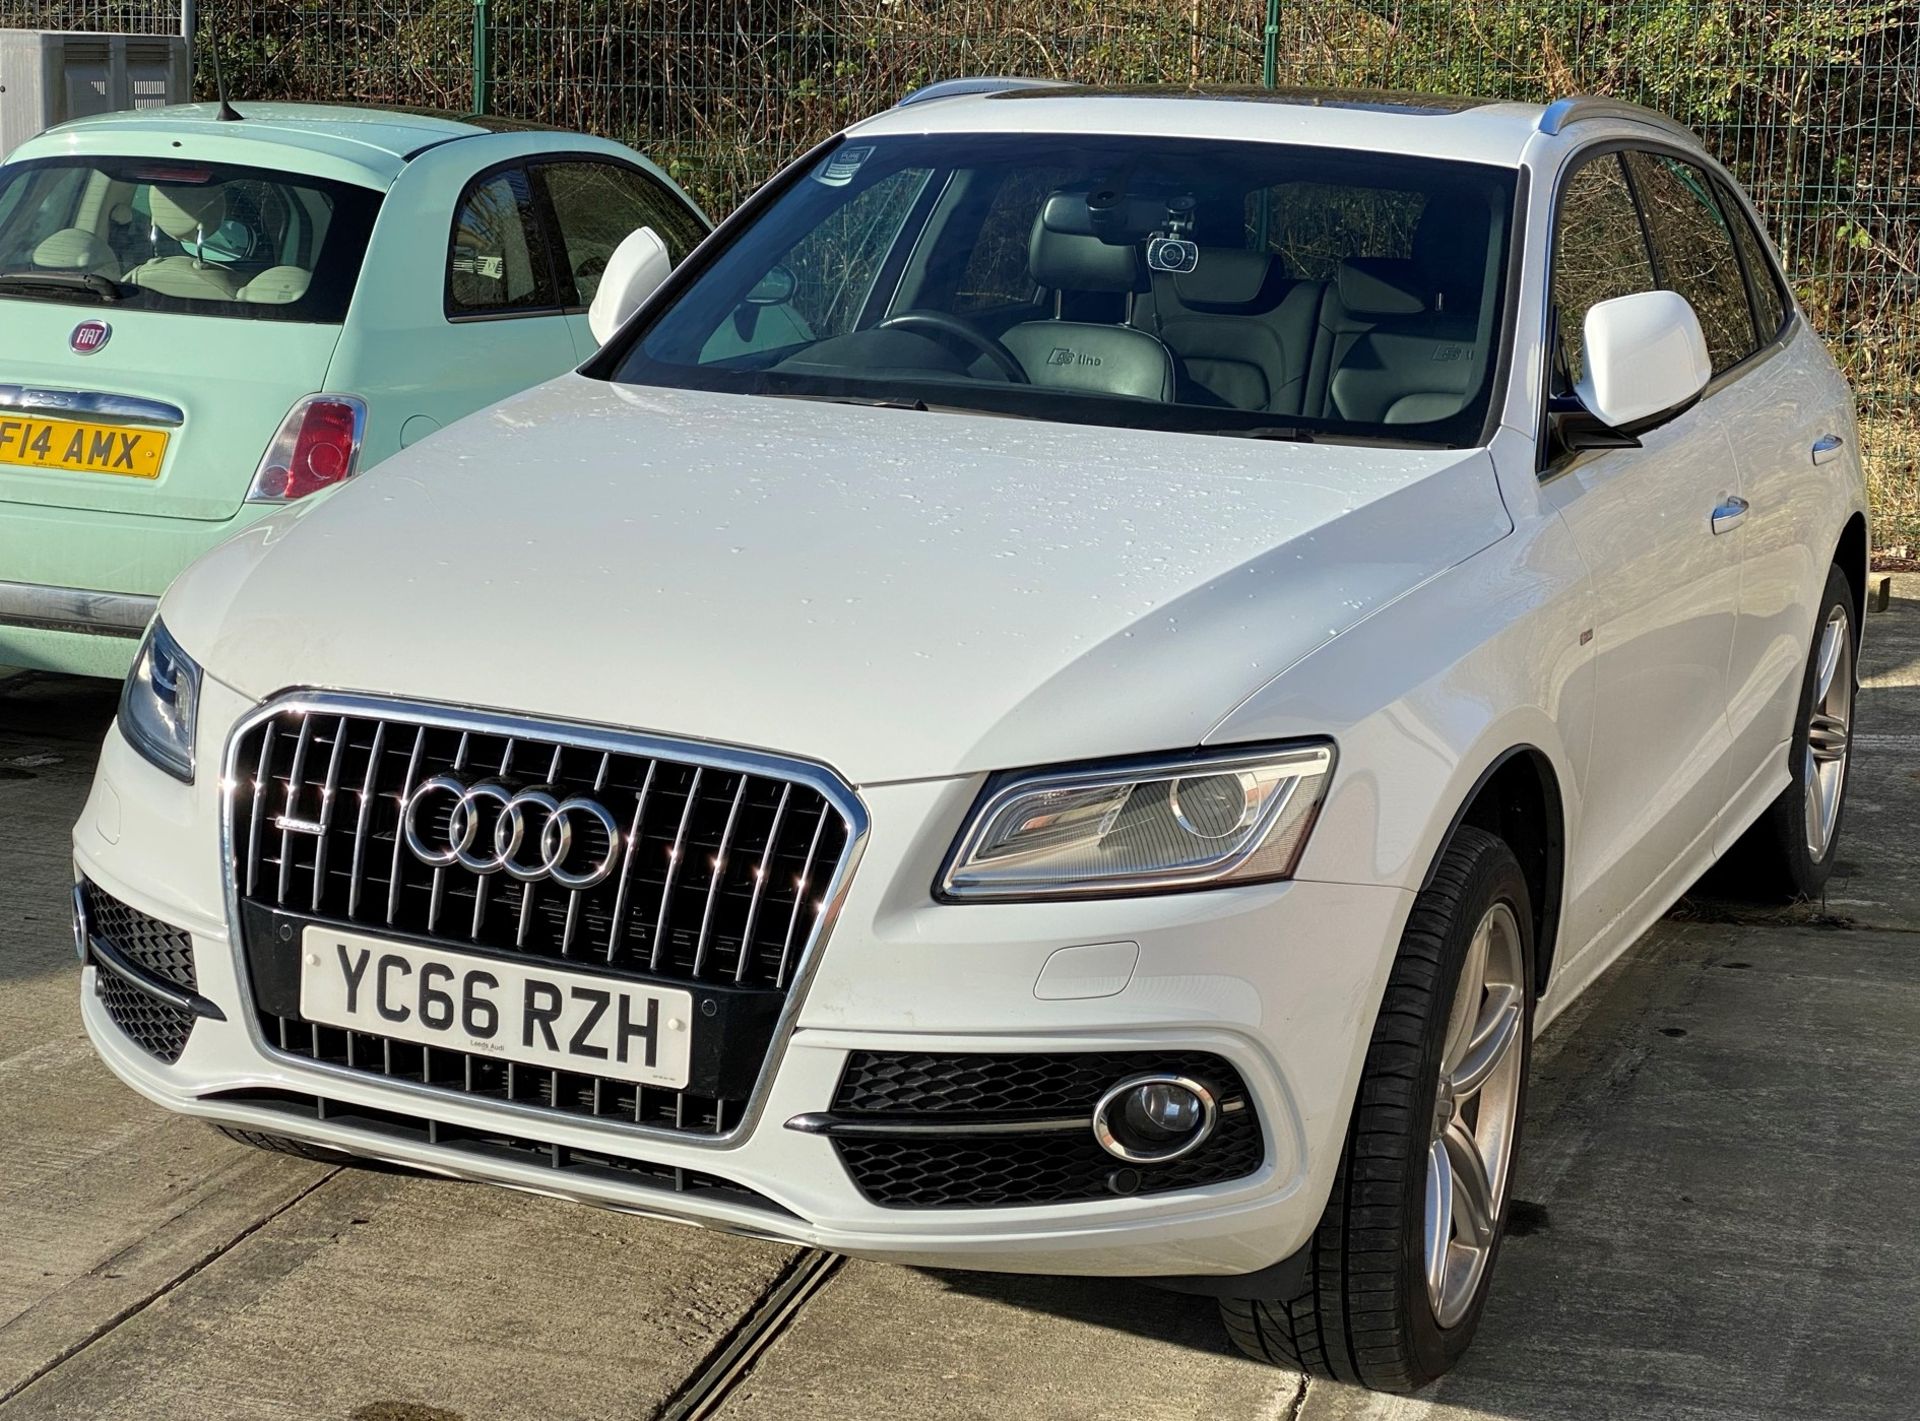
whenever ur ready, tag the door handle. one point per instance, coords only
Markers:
(1826, 448)
(1730, 514)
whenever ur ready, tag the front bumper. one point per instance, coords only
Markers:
(1282, 981)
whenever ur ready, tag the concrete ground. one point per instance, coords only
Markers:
(1717, 1217)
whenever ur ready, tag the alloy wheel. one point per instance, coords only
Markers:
(1475, 1114)
(1823, 772)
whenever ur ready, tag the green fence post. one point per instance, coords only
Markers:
(1270, 69)
(482, 64)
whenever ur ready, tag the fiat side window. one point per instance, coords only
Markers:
(497, 262)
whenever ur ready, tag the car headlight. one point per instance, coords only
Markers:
(160, 702)
(1177, 822)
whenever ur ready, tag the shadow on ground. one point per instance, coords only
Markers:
(50, 732)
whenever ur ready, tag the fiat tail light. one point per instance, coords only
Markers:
(317, 446)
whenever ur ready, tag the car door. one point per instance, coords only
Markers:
(1665, 591)
(505, 324)
(593, 204)
(1792, 414)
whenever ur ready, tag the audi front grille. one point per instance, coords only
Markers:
(627, 856)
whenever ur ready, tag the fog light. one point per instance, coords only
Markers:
(82, 930)
(1155, 1118)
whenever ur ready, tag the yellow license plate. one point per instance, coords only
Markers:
(81, 447)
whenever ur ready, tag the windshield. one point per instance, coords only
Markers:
(1220, 287)
(164, 235)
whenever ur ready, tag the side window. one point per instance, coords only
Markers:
(49, 201)
(497, 260)
(1694, 252)
(1769, 302)
(836, 264)
(597, 205)
(995, 274)
(1599, 252)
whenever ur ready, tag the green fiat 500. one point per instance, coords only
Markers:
(204, 318)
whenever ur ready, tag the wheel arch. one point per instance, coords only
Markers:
(1518, 797)
(1850, 555)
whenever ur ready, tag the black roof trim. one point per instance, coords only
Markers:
(1374, 100)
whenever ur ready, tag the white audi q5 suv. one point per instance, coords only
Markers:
(1068, 694)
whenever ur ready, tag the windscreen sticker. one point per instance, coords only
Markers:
(839, 169)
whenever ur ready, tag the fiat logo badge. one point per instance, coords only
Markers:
(89, 336)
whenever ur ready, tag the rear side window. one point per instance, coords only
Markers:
(596, 206)
(497, 261)
(1769, 301)
(210, 239)
(1599, 252)
(1693, 252)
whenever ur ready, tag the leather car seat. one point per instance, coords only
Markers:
(76, 249)
(1240, 329)
(1088, 356)
(1403, 333)
(186, 214)
(277, 286)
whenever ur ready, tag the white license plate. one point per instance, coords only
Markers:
(531, 1015)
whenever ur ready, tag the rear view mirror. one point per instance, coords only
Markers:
(1645, 360)
(634, 272)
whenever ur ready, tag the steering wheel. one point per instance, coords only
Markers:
(964, 331)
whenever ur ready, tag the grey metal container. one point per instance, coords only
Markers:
(48, 77)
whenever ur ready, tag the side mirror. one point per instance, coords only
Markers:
(634, 272)
(1646, 360)
(776, 288)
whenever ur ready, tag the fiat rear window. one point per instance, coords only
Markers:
(209, 239)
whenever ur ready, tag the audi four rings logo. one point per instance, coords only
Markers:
(532, 835)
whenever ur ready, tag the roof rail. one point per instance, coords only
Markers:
(1557, 115)
(980, 84)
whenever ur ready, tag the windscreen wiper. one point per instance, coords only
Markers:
(35, 283)
(1287, 433)
(874, 402)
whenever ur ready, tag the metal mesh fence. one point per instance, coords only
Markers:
(1813, 105)
(118, 16)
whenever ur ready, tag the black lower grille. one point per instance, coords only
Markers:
(599, 1097)
(158, 1028)
(899, 1084)
(147, 942)
(930, 1170)
(489, 1144)
(151, 948)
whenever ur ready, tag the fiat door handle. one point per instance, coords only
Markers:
(1826, 448)
(1730, 514)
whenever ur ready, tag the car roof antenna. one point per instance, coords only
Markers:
(227, 112)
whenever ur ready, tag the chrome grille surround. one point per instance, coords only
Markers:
(793, 975)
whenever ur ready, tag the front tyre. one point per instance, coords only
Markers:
(1788, 854)
(282, 1145)
(1398, 1269)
